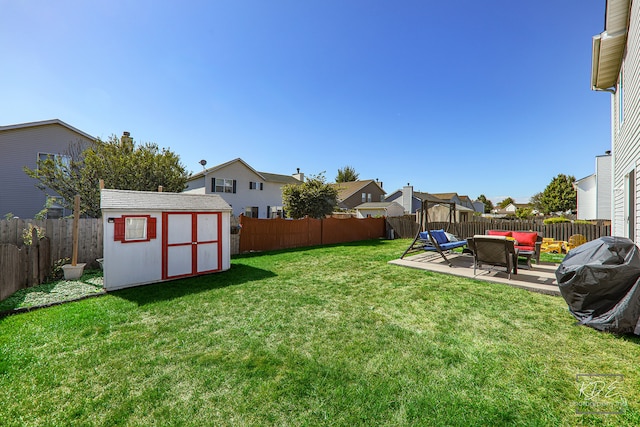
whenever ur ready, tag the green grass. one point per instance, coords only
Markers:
(318, 336)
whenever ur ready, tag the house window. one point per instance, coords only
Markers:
(364, 197)
(255, 185)
(58, 159)
(369, 197)
(223, 185)
(251, 212)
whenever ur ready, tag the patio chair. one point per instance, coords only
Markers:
(575, 240)
(437, 241)
(494, 251)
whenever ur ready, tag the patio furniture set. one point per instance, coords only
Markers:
(496, 248)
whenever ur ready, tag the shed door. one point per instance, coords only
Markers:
(191, 243)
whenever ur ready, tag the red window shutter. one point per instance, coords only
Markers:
(151, 228)
(118, 229)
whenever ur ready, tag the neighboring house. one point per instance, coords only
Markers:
(22, 145)
(378, 209)
(594, 191)
(615, 68)
(354, 193)
(478, 206)
(249, 192)
(412, 202)
(510, 209)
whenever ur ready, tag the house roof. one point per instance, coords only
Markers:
(445, 196)
(608, 47)
(154, 201)
(429, 197)
(268, 177)
(376, 205)
(46, 123)
(348, 189)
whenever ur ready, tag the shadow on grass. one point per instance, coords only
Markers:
(165, 291)
(358, 243)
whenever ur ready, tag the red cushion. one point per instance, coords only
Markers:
(526, 248)
(499, 233)
(525, 238)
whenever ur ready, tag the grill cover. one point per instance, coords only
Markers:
(599, 280)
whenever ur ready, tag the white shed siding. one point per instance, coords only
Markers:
(626, 136)
(19, 147)
(138, 262)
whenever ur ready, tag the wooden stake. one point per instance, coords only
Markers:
(159, 188)
(102, 184)
(76, 220)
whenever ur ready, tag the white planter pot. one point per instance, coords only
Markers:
(72, 272)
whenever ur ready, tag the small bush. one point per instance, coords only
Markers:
(27, 234)
(582, 221)
(56, 272)
(556, 220)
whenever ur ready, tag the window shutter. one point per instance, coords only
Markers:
(118, 230)
(234, 186)
(250, 185)
(151, 228)
(268, 211)
(261, 186)
(213, 185)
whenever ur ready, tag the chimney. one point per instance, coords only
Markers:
(126, 139)
(407, 198)
(299, 175)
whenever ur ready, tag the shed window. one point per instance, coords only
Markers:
(139, 228)
(135, 229)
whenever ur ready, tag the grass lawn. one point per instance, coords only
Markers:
(320, 336)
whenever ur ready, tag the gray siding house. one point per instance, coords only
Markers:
(615, 69)
(22, 145)
(249, 192)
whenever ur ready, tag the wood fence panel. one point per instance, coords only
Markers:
(336, 230)
(559, 231)
(11, 265)
(404, 227)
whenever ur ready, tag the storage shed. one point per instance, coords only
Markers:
(152, 237)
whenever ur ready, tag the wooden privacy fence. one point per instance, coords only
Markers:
(561, 231)
(60, 234)
(23, 267)
(276, 233)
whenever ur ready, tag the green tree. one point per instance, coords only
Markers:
(524, 213)
(347, 174)
(121, 164)
(503, 204)
(488, 204)
(314, 198)
(559, 195)
(535, 202)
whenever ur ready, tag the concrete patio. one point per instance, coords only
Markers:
(540, 278)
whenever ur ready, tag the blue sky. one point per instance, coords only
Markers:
(475, 97)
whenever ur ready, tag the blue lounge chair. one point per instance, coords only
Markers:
(435, 240)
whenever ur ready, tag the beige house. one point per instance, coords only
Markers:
(354, 193)
(22, 145)
(615, 69)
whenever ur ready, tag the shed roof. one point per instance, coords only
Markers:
(153, 201)
(376, 205)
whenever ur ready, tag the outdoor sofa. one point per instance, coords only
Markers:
(524, 241)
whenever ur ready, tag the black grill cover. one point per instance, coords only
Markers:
(600, 282)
